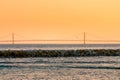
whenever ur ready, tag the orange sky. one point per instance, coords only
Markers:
(61, 19)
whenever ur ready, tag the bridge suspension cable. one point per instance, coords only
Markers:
(84, 40)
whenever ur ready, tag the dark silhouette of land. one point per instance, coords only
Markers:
(59, 53)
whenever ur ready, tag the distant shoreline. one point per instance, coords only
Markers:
(58, 53)
(57, 46)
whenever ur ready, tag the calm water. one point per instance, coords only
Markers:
(58, 46)
(60, 68)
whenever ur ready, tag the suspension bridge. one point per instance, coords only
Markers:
(83, 41)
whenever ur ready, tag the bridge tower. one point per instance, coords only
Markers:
(13, 41)
(84, 38)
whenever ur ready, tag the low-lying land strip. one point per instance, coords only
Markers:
(59, 53)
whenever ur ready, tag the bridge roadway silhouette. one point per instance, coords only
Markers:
(84, 40)
(59, 40)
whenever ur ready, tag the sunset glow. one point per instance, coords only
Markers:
(61, 19)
